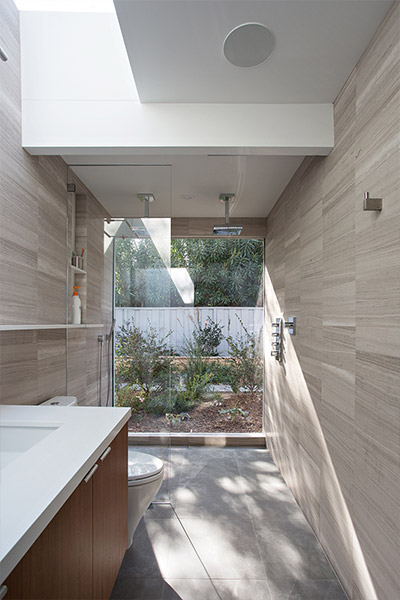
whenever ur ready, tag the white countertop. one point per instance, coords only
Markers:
(36, 483)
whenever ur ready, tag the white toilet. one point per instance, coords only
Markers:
(145, 475)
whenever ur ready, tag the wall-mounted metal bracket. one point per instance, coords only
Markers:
(71, 187)
(372, 203)
(290, 324)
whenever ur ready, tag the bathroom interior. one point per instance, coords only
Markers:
(299, 150)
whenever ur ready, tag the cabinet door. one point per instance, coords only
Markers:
(59, 564)
(110, 515)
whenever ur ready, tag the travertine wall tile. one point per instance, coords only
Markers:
(333, 409)
(19, 367)
(33, 266)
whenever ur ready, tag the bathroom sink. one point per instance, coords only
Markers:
(17, 438)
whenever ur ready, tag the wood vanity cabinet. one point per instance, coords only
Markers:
(110, 516)
(78, 555)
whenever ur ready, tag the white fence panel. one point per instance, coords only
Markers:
(181, 321)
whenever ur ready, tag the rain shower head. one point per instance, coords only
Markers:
(227, 229)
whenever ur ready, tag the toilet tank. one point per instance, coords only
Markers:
(61, 401)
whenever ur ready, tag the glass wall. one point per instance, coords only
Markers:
(191, 322)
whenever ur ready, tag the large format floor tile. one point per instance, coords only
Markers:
(228, 549)
(239, 589)
(224, 527)
(189, 589)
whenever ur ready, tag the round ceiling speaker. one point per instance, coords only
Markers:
(249, 45)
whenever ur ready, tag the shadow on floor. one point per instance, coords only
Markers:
(232, 531)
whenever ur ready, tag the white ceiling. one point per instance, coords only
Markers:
(175, 52)
(175, 48)
(257, 182)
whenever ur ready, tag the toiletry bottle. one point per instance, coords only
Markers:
(76, 307)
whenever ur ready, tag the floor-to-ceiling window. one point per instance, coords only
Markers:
(189, 317)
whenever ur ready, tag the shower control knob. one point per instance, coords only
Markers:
(275, 334)
(276, 344)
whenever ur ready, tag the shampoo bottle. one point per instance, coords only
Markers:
(76, 307)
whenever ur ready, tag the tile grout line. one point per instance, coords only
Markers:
(254, 530)
(193, 546)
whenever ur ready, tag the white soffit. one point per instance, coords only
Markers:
(175, 48)
(257, 182)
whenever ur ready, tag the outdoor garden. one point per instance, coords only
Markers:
(193, 385)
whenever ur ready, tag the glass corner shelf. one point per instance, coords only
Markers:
(77, 270)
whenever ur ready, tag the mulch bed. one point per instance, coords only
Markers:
(206, 418)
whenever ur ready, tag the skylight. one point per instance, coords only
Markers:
(99, 6)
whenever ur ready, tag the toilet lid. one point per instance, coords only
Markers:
(141, 466)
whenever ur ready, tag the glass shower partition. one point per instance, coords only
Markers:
(145, 374)
(123, 268)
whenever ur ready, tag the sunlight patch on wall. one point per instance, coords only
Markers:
(289, 403)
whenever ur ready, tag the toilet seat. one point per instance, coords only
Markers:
(143, 468)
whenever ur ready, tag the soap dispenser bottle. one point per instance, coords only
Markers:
(76, 307)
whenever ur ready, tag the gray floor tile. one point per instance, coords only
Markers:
(189, 589)
(227, 547)
(140, 561)
(256, 460)
(127, 588)
(204, 462)
(211, 486)
(317, 590)
(239, 589)
(161, 549)
(246, 527)
(288, 583)
(173, 551)
(292, 551)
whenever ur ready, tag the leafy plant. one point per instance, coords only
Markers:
(221, 372)
(224, 272)
(208, 337)
(175, 419)
(233, 412)
(195, 389)
(195, 363)
(247, 365)
(145, 362)
(127, 397)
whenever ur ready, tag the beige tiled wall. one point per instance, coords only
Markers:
(33, 246)
(333, 409)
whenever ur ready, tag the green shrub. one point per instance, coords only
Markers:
(126, 397)
(247, 365)
(208, 337)
(161, 403)
(195, 390)
(221, 372)
(145, 360)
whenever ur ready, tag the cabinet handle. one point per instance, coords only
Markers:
(91, 473)
(3, 591)
(105, 453)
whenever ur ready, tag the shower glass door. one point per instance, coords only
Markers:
(125, 281)
(145, 371)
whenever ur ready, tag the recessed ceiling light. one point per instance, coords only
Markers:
(188, 196)
(249, 45)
